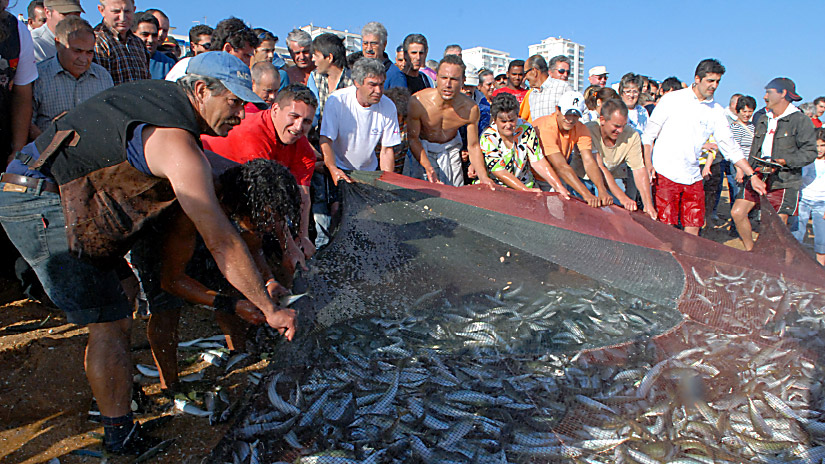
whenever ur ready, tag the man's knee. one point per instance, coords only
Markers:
(120, 329)
(740, 209)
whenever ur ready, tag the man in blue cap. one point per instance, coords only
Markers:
(784, 142)
(79, 197)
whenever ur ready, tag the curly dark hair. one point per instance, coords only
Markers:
(234, 32)
(264, 191)
(503, 103)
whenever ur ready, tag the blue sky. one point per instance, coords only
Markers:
(756, 41)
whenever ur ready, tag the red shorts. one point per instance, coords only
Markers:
(680, 203)
(784, 200)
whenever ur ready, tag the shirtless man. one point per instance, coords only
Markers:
(435, 115)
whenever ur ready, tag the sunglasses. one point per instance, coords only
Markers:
(563, 71)
(500, 79)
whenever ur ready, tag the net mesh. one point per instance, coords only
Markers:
(463, 325)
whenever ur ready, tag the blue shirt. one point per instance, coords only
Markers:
(395, 78)
(160, 65)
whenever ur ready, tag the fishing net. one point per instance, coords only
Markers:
(468, 325)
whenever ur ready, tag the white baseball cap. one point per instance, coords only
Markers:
(572, 102)
(597, 71)
(471, 76)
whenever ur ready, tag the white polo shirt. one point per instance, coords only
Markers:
(680, 125)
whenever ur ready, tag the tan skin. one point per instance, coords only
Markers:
(302, 57)
(266, 86)
(264, 52)
(39, 18)
(589, 160)
(75, 57)
(505, 125)
(436, 115)
(373, 46)
(118, 16)
(611, 129)
(515, 77)
(148, 33)
(161, 329)
(776, 103)
(108, 357)
(244, 53)
(324, 65)
(53, 17)
(203, 44)
(367, 93)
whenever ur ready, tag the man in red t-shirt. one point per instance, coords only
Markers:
(515, 79)
(819, 110)
(278, 134)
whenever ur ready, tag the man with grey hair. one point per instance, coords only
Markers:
(374, 45)
(356, 120)
(265, 83)
(43, 36)
(137, 144)
(299, 44)
(486, 83)
(544, 99)
(435, 116)
(415, 57)
(452, 49)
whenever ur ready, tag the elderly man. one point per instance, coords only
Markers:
(544, 99)
(265, 83)
(356, 120)
(117, 49)
(597, 75)
(435, 115)
(299, 44)
(43, 36)
(70, 77)
(374, 45)
(136, 146)
(486, 84)
(536, 72)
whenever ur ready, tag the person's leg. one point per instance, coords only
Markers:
(817, 211)
(739, 214)
(692, 210)
(798, 225)
(234, 328)
(666, 199)
(108, 365)
(162, 332)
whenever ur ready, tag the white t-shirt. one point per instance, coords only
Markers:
(355, 131)
(26, 67)
(178, 70)
(813, 181)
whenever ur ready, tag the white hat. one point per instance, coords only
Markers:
(572, 101)
(471, 76)
(597, 71)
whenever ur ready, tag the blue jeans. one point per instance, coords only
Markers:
(799, 224)
(35, 225)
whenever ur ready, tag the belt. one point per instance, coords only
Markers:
(27, 183)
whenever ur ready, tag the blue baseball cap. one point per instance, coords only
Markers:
(229, 69)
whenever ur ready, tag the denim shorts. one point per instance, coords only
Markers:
(36, 226)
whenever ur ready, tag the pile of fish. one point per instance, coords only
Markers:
(488, 381)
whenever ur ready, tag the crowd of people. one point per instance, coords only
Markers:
(137, 174)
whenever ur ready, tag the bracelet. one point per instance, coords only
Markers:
(224, 303)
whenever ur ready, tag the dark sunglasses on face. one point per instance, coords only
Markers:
(563, 71)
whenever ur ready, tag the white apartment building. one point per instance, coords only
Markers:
(553, 46)
(483, 57)
(352, 41)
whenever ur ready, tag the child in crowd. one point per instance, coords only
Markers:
(813, 200)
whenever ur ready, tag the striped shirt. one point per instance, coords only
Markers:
(743, 134)
(56, 90)
(126, 60)
(321, 87)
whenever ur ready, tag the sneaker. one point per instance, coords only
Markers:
(135, 443)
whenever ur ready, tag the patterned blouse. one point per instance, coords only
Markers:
(517, 159)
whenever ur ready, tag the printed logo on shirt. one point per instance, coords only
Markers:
(375, 131)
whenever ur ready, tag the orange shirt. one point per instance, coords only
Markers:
(554, 140)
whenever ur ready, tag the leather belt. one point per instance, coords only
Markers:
(27, 183)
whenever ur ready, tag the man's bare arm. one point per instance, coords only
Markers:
(474, 149)
(386, 159)
(643, 186)
(329, 161)
(546, 172)
(568, 175)
(174, 155)
(594, 172)
(648, 153)
(21, 117)
(414, 115)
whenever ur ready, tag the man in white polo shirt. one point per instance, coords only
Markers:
(680, 126)
(358, 118)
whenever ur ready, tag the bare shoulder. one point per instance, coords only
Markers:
(168, 149)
